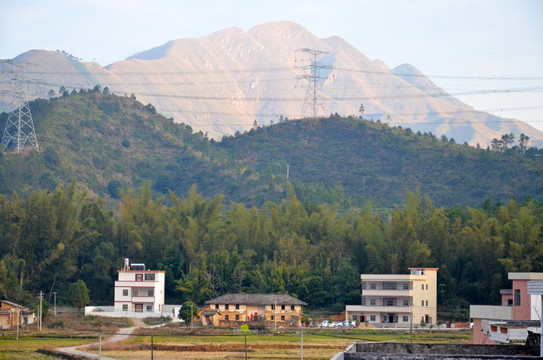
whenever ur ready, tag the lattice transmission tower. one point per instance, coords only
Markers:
(19, 128)
(307, 60)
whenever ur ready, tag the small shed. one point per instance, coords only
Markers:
(11, 312)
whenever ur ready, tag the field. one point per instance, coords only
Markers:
(173, 341)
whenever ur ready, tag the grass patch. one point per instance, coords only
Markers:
(150, 321)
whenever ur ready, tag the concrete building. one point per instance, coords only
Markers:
(503, 323)
(11, 313)
(397, 300)
(139, 293)
(233, 309)
(139, 290)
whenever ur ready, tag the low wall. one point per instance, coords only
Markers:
(443, 349)
(109, 311)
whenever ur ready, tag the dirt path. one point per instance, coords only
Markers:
(121, 335)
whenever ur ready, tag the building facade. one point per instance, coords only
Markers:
(233, 309)
(397, 300)
(515, 316)
(139, 291)
(12, 313)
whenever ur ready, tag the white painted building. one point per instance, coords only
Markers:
(139, 290)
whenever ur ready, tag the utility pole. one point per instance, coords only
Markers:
(55, 304)
(301, 345)
(312, 74)
(40, 320)
(19, 126)
(288, 170)
(275, 304)
(18, 321)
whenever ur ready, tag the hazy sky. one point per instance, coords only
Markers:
(502, 39)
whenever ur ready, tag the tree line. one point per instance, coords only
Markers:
(312, 251)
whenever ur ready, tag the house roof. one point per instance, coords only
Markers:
(256, 299)
(12, 304)
(209, 312)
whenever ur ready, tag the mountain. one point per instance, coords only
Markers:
(222, 83)
(108, 142)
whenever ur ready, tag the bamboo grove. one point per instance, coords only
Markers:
(208, 248)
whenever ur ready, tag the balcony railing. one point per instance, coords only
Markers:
(386, 285)
(373, 301)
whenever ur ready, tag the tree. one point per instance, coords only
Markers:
(523, 143)
(51, 93)
(79, 294)
(361, 110)
(188, 311)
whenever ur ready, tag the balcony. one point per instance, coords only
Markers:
(386, 302)
(390, 288)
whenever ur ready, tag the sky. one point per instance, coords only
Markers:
(493, 48)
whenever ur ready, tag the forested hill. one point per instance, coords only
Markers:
(109, 142)
(373, 161)
(297, 244)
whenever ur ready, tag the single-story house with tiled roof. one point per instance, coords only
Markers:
(11, 312)
(279, 309)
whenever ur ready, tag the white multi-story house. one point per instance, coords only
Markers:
(139, 290)
(397, 300)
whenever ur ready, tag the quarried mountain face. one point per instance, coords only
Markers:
(222, 83)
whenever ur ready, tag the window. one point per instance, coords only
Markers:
(226, 307)
(125, 307)
(405, 318)
(125, 292)
(389, 301)
(226, 317)
(216, 306)
(426, 286)
(273, 317)
(422, 303)
(149, 308)
(389, 285)
(406, 286)
(283, 317)
(372, 302)
(142, 292)
(372, 317)
(149, 277)
(273, 306)
(139, 277)
(282, 307)
(373, 286)
(406, 303)
(517, 297)
(355, 317)
(292, 307)
(422, 286)
(237, 317)
(426, 302)
(237, 306)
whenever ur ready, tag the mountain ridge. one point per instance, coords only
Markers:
(107, 142)
(221, 83)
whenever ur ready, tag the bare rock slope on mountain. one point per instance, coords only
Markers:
(222, 83)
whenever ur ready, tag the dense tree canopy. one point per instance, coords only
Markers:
(208, 248)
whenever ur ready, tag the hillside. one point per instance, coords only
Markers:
(222, 83)
(107, 142)
(373, 161)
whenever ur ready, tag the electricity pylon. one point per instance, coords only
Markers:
(313, 76)
(19, 126)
